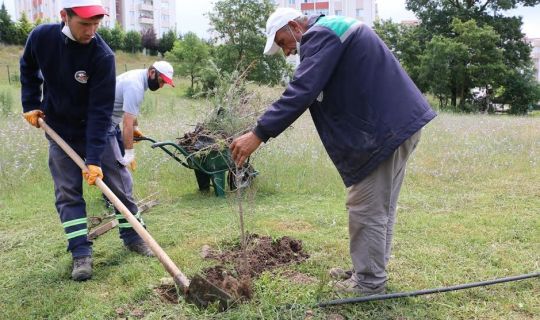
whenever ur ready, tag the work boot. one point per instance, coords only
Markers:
(339, 273)
(82, 268)
(351, 286)
(140, 247)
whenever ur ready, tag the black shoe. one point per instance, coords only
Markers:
(141, 248)
(82, 268)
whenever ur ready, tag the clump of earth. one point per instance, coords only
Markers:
(237, 267)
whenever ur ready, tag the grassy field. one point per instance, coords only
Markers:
(469, 211)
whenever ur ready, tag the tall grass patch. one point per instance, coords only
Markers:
(468, 212)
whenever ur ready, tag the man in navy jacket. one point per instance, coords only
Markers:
(68, 78)
(368, 114)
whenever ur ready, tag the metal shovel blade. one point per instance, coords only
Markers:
(202, 293)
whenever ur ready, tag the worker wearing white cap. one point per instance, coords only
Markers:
(68, 78)
(368, 113)
(130, 88)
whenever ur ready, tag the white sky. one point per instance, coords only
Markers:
(190, 15)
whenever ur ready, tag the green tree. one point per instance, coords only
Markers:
(23, 28)
(8, 31)
(166, 42)
(37, 22)
(454, 66)
(405, 42)
(190, 56)
(484, 66)
(118, 37)
(105, 34)
(442, 69)
(521, 90)
(436, 18)
(239, 25)
(132, 42)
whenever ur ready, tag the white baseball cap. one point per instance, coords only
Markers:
(276, 21)
(165, 71)
(85, 8)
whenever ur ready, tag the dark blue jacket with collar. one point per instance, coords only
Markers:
(363, 104)
(77, 82)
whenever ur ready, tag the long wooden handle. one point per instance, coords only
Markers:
(162, 256)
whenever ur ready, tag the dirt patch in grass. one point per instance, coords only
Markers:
(236, 267)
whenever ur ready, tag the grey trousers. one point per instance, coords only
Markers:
(372, 213)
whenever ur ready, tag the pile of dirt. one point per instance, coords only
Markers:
(238, 267)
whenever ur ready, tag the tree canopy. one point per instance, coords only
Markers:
(239, 26)
(190, 57)
(462, 46)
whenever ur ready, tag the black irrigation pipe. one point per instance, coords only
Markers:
(426, 291)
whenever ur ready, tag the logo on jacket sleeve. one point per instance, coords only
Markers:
(81, 77)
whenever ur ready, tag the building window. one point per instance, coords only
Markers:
(359, 12)
(292, 1)
(339, 12)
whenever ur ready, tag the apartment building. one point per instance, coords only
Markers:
(363, 10)
(140, 15)
(135, 15)
(535, 55)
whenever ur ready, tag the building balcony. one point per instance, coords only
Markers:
(146, 7)
(143, 20)
(314, 6)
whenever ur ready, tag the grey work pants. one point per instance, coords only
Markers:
(372, 213)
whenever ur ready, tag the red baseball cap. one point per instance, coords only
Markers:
(85, 8)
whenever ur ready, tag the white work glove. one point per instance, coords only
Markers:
(129, 159)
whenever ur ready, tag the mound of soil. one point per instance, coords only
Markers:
(238, 267)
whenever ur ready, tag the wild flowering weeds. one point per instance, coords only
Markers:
(476, 145)
(23, 151)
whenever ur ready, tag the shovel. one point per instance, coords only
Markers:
(199, 291)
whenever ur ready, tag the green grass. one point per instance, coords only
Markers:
(469, 211)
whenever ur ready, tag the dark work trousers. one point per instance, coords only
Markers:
(70, 204)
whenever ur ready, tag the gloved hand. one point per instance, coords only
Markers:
(129, 159)
(32, 117)
(137, 133)
(92, 174)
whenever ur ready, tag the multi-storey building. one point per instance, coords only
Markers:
(535, 55)
(363, 10)
(138, 15)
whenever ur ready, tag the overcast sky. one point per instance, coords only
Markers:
(190, 15)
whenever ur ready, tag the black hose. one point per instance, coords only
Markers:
(426, 291)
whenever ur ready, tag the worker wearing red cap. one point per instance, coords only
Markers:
(68, 78)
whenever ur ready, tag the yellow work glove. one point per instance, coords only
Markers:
(92, 174)
(137, 134)
(33, 116)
